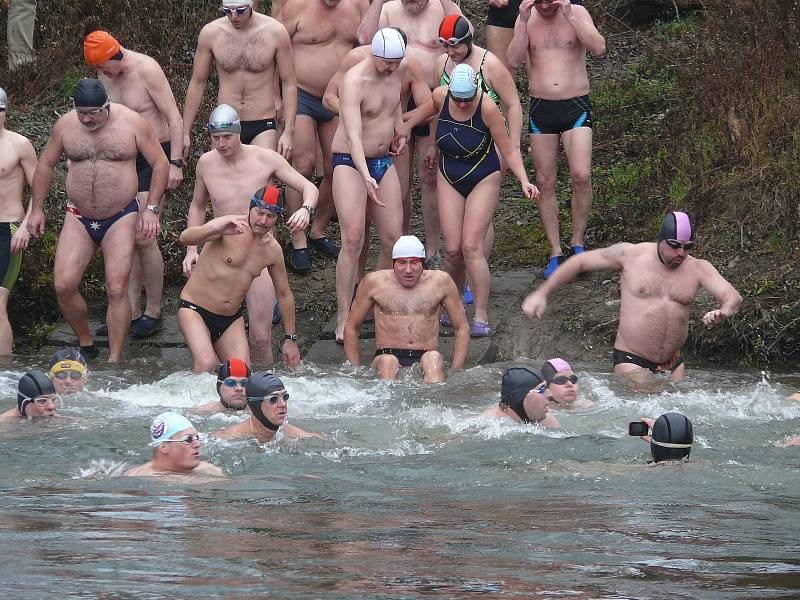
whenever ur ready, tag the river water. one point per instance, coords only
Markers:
(413, 496)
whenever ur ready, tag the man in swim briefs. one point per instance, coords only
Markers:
(232, 377)
(658, 283)
(554, 35)
(522, 399)
(36, 397)
(101, 139)
(176, 449)
(138, 82)
(17, 165)
(268, 401)
(405, 301)
(237, 248)
(249, 49)
(68, 371)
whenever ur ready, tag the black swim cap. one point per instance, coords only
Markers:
(517, 382)
(671, 437)
(32, 385)
(68, 354)
(89, 93)
(676, 226)
(259, 386)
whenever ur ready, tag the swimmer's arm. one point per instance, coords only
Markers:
(604, 259)
(296, 432)
(201, 69)
(27, 160)
(584, 28)
(200, 197)
(518, 47)
(284, 60)
(350, 105)
(213, 230)
(207, 468)
(497, 128)
(721, 289)
(372, 21)
(438, 69)
(283, 293)
(503, 84)
(455, 312)
(420, 90)
(422, 113)
(48, 160)
(361, 306)
(161, 93)
(286, 173)
(147, 143)
(330, 98)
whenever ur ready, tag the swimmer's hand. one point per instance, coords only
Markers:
(398, 145)
(430, 157)
(175, 177)
(36, 223)
(372, 190)
(21, 239)
(530, 190)
(534, 304)
(149, 224)
(714, 317)
(298, 221)
(525, 8)
(649, 423)
(291, 353)
(187, 142)
(566, 7)
(190, 260)
(286, 145)
(232, 225)
(499, 3)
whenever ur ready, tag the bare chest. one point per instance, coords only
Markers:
(553, 36)
(230, 193)
(383, 100)
(252, 53)
(9, 161)
(422, 29)
(109, 144)
(675, 287)
(406, 303)
(246, 255)
(130, 92)
(334, 27)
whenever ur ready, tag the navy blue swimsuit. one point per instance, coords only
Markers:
(467, 154)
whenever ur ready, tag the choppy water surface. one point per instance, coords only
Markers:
(413, 496)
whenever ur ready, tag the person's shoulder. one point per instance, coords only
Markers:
(140, 470)
(212, 29)
(206, 468)
(19, 141)
(149, 65)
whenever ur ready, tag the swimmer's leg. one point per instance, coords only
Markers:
(544, 147)
(233, 342)
(451, 217)
(304, 160)
(6, 335)
(478, 212)
(73, 252)
(497, 42)
(403, 164)
(266, 139)
(198, 340)
(389, 219)
(260, 304)
(387, 366)
(324, 212)
(578, 148)
(432, 363)
(118, 247)
(639, 378)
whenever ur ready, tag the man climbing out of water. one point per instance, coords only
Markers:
(522, 399)
(268, 401)
(36, 397)
(68, 371)
(237, 248)
(232, 377)
(658, 283)
(406, 300)
(176, 449)
(561, 384)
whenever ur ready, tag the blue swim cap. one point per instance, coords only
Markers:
(463, 83)
(166, 425)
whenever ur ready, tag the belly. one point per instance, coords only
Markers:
(653, 328)
(100, 189)
(250, 93)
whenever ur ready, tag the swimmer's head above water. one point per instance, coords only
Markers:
(68, 371)
(521, 391)
(175, 442)
(232, 377)
(671, 437)
(36, 396)
(388, 50)
(408, 255)
(675, 239)
(463, 84)
(91, 103)
(267, 388)
(454, 32)
(561, 381)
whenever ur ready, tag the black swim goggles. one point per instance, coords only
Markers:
(232, 382)
(563, 379)
(187, 439)
(239, 10)
(676, 245)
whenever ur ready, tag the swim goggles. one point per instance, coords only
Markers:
(232, 383)
(563, 379)
(273, 208)
(470, 99)
(187, 439)
(65, 374)
(91, 113)
(273, 399)
(451, 42)
(61, 369)
(239, 10)
(44, 400)
(676, 245)
(542, 1)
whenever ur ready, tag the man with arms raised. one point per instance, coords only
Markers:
(237, 249)
(232, 377)
(228, 174)
(101, 139)
(555, 38)
(406, 301)
(138, 82)
(419, 19)
(322, 32)
(248, 48)
(267, 398)
(658, 283)
(17, 164)
(176, 449)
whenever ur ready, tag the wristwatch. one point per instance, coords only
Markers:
(154, 208)
(292, 337)
(311, 210)
(178, 162)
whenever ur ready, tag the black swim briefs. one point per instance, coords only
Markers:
(622, 357)
(558, 116)
(250, 129)
(311, 106)
(216, 324)
(143, 169)
(504, 17)
(9, 262)
(404, 356)
(423, 130)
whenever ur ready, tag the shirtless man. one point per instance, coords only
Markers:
(237, 250)
(247, 47)
(267, 398)
(406, 301)
(555, 38)
(17, 165)
(101, 140)
(228, 174)
(522, 399)
(364, 178)
(36, 397)
(658, 283)
(176, 449)
(137, 81)
(232, 377)
(419, 19)
(322, 32)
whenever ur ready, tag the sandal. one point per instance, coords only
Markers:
(479, 329)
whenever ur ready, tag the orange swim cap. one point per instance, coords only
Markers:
(98, 47)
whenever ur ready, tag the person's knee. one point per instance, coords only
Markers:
(65, 285)
(472, 249)
(206, 363)
(387, 366)
(117, 290)
(305, 162)
(146, 246)
(545, 181)
(432, 366)
(581, 177)
(352, 244)
(453, 253)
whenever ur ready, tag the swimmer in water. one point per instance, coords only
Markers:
(658, 284)
(670, 438)
(522, 399)
(561, 384)
(176, 449)
(268, 399)
(36, 397)
(232, 377)
(68, 371)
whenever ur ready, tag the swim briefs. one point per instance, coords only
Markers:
(623, 357)
(504, 17)
(251, 129)
(311, 106)
(423, 130)
(377, 166)
(216, 324)
(558, 116)
(405, 357)
(97, 228)
(9, 262)
(143, 169)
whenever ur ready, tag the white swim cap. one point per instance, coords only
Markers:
(224, 119)
(227, 3)
(463, 83)
(3, 99)
(388, 44)
(166, 425)
(408, 246)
